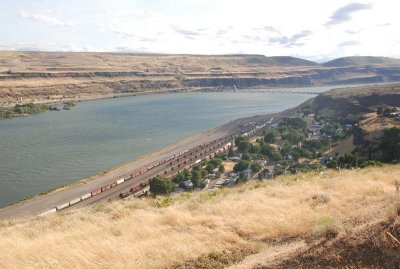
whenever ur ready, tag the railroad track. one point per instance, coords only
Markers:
(136, 183)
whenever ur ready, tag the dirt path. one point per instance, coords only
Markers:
(269, 255)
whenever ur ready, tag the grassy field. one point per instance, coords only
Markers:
(167, 232)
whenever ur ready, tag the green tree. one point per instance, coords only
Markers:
(293, 136)
(270, 137)
(271, 152)
(215, 162)
(221, 169)
(295, 155)
(197, 178)
(256, 167)
(182, 176)
(294, 123)
(210, 168)
(160, 185)
(242, 143)
(240, 166)
(246, 156)
(242, 178)
(390, 144)
(332, 164)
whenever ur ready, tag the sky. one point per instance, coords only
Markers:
(317, 30)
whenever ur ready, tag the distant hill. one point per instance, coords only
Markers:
(362, 61)
(52, 77)
(291, 61)
(93, 61)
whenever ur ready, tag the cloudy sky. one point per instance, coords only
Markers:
(312, 29)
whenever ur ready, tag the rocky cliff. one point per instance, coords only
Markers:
(50, 77)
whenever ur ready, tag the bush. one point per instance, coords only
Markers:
(371, 163)
(182, 176)
(246, 157)
(295, 123)
(390, 145)
(240, 166)
(256, 167)
(270, 137)
(332, 164)
(243, 144)
(325, 227)
(160, 185)
(221, 169)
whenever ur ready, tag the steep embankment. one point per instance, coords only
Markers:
(359, 106)
(215, 229)
(355, 101)
(54, 76)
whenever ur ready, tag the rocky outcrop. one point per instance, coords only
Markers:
(77, 75)
(354, 102)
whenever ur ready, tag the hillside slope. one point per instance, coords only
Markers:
(362, 61)
(208, 229)
(86, 61)
(49, 77)
(354, 101)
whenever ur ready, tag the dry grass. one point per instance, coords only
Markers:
(228, 165)
(141, 234)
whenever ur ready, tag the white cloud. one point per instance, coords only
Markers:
(285, 27)
(44, 19)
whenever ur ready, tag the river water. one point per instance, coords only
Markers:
(40, 152)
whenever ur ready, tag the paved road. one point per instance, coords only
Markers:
(37, 205)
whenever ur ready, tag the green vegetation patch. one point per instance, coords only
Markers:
(21, 110)
(218, 260)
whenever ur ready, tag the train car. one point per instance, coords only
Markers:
(75, 201)
(144, 184)
(134, 189)
(86, 196)
(63, 206)
(53, 210)
(96, 192)
(135, 174)
(120, 181)
(112, 185)
(106, 187)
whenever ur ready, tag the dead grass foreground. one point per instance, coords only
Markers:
(169, 231)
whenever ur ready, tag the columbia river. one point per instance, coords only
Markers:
(40, 152)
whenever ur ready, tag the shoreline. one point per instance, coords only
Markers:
(100, 178)
(94, 97)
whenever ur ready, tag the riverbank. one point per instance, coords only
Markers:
(38, 204)
(51, 77)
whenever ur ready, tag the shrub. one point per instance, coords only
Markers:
(160, 185)
(240, 166)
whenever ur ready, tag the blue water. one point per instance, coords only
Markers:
(43, 151)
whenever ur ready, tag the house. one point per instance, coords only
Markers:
(212, 176)
(235, 159)
(247, 173)
(187, 185)
(262, 162)
(266, 174)
(231, 181)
